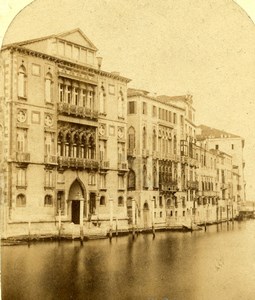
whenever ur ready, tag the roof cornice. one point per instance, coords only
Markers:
(13, 48)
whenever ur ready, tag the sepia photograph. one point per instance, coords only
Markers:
(127, 149)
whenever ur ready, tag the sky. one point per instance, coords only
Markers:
(174, 47)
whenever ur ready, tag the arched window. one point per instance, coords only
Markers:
(48, 200)
(146, 206)
(155, 177)
(131, 138)
(144, 138)
(145, 184)
(21, 200)
(68, 145)
(131, 180)
(154, 141)
(102, 100)
(61, 143)
(21, 138)
(102, 200)
(120, 201)
(48, 87)
(22, 82)
(175, 145)
(120, 105)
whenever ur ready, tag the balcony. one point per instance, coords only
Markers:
(77, 111)
(131, 152)
(122, 166)
(145, 153)
(224, 186)
(193, 162)
(50, 159)
(171, 186)
(23, 157)
(193, 185)
(184, 159)
(77, 163)
(105, 164)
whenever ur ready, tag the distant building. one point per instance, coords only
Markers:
(232, 145)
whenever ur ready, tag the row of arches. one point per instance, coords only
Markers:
(80, 143)
(165, 143)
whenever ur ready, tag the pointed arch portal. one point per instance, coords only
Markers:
(77, 197)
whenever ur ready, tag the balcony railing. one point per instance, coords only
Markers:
(171, 186)
(105, 164)
(78, 163)
(145, 153)
(50, 159)
(22, 157)
(78, 111)
(193, 185)
(123, 166)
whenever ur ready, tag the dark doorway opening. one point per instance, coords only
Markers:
(76, 212)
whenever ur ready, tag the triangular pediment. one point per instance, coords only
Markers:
(76, 36)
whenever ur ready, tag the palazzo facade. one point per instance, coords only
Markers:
(64, 144)
(82, 154)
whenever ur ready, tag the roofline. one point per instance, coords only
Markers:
(59, 35)
(155, 99)
(59, 60)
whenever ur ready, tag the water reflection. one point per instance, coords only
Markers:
(216, 264)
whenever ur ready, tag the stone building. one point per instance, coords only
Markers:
(232, 145)
(162, 161)
(82, 154)
(64, 136)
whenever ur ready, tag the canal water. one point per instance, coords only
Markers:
(216, 264)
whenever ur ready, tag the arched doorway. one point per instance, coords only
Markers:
(146, 215)
(77, 198)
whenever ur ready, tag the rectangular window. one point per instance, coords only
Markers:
(21, 139)
(160, 201)
(21, 177)
(102, 181)
(154, 111)
(174, 118)
(144, 108)
(49, 179)
(233, 146)
(76, 96)
(92, 179)
(61, 92)
(132, 107)
(159, 113)
(68, 51)
(61, 202)
(48, 97)
(83, 56)
(69, 94)
(90, 58)
(61, 48)
(217, 147)
(121, 182)
(76, 53)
